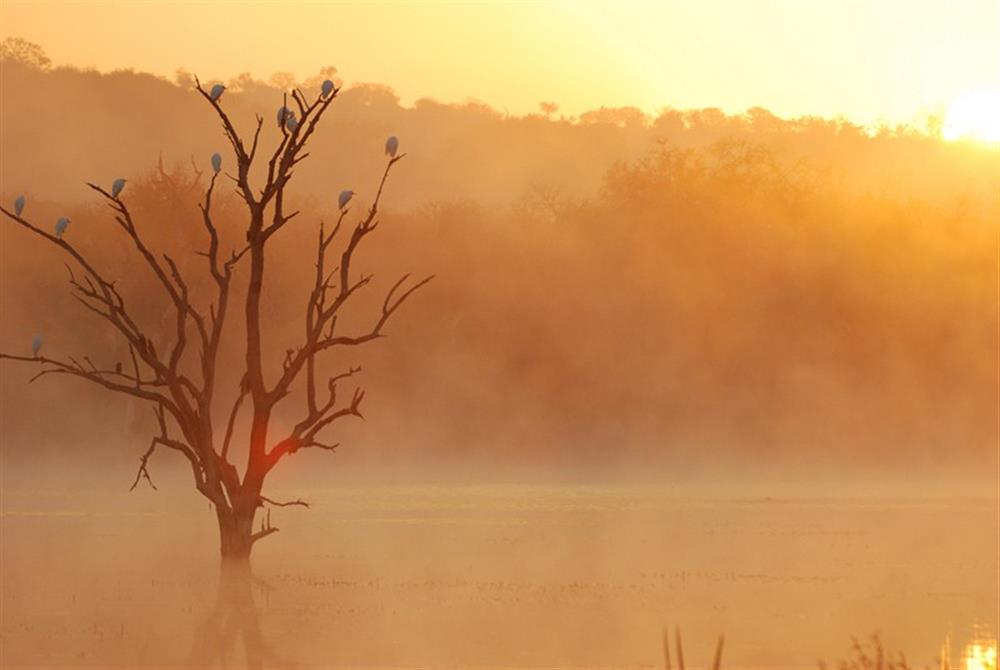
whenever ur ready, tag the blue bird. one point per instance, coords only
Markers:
(19, 205)
(216, 92)
(327, 88)
(391, 146)
(36, 345)
(61, 225)
(291, 122)
(116, 188)
(344, 198)
(216, 162)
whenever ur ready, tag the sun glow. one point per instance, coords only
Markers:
(974, 116)
(980, 656)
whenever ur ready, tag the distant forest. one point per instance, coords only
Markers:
(613, 288)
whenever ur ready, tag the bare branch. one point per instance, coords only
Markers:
(304, 434)
(143, 470)
(256, 138)
(262, 533)
(265, 529)
(163, 439)
(61, 367)
(290, 503)
(389, 307)
(230, 425)
(322, 322)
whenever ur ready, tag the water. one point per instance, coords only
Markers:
(497, 576)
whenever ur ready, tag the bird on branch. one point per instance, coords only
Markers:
(116, 187)
(391, 146)
(344, 198)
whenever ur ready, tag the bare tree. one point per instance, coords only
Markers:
(178, 379)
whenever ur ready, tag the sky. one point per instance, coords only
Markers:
(890, 60)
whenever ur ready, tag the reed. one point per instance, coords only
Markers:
(679, 648)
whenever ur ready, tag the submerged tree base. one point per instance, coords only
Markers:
(233, 617)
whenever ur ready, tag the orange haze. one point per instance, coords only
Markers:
(616, 290)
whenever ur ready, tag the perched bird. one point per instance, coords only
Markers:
(116, 188)
(391, 146)
(344, 198)
(36, 345)
(19, 205)
(327, 88)
(216, 162)
(283, 114)
(61, 225)
(216, 92)
(292, 123)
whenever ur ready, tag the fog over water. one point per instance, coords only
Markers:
(501, 576)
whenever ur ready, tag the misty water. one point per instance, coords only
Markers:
(498, 576)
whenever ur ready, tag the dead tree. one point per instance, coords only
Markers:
(178, 378)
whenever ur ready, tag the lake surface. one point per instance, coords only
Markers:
(496, 576)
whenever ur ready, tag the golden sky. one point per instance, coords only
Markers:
(867, 59)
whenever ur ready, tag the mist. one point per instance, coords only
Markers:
(686, 368)
(695, 287)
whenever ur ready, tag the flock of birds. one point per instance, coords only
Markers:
(63, 222)
(286, 118)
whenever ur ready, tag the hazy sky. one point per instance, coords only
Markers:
(863, 58)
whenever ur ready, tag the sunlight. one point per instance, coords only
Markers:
(974, 116)
(980, 656)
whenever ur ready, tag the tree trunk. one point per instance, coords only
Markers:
(235, 534)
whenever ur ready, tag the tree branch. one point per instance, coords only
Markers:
(164, 439)
(290, 503)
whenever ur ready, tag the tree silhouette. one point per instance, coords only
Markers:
(21, 50)
(179, 380)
